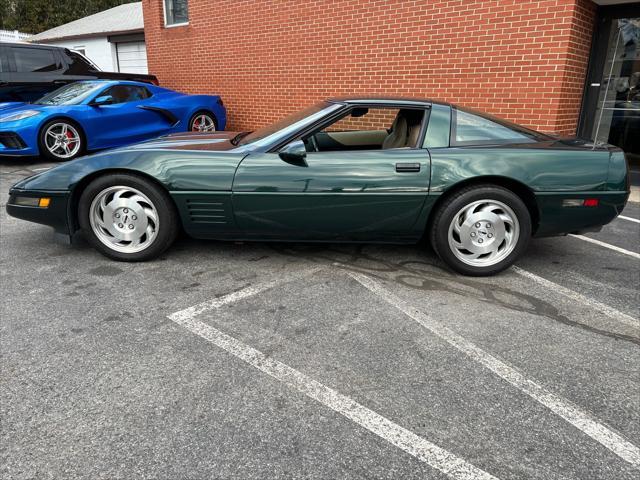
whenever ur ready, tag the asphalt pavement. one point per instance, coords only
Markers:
(263, 361)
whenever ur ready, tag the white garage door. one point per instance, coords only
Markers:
(132, 57)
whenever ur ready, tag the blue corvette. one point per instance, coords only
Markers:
(98, 114)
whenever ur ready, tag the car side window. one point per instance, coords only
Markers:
(369, 128)
(76, 64)
(470, 129)
(29, 59)
(126, 93)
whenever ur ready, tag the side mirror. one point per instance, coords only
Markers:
(294, 153)
(102, 100)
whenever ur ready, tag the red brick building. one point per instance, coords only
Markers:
(524, 60)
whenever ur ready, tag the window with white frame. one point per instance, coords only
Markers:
(176, 12)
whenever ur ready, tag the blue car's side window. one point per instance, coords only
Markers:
(127, 93)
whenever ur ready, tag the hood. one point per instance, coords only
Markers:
(8, 106)
(215, 141)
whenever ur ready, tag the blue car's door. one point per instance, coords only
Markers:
(125, 118)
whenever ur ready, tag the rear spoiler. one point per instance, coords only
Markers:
(135, 77)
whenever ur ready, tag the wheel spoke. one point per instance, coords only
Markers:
(506, 218)
(151, 215)
(456, 227)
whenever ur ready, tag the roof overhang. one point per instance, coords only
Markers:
(86, 35)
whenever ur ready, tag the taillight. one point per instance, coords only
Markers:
(579, 202)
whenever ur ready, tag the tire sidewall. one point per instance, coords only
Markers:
(42, 147)
(168, 216)
(203, 112)
(446, 213)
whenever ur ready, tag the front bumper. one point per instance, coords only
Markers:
(56, 215)
(17, 143)
(13, 143)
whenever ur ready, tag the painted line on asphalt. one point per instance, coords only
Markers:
(420, 448)
(214, 303)
(606, 245)
(40, 169)
(565, 409)
(573, 295)
(629, 219)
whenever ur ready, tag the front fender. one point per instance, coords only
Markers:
(176, 170)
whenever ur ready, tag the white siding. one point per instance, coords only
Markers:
(97, 49)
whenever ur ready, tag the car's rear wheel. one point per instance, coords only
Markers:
(481, 230)
(127, 217)
(61, 140)
(203, 121)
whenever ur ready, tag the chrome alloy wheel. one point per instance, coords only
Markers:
(203, 123)
(124, 219)
(483, 233)
(62, 140)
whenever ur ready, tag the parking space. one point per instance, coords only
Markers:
(225, 360)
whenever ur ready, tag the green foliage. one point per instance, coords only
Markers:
(35, 16)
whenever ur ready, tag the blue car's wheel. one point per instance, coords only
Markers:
(203, 121)
(61, 140)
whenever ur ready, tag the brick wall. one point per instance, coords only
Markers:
(523, 60)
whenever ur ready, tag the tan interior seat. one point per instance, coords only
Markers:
(398, 136)
(405, 130)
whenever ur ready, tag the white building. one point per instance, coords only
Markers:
(112, 39)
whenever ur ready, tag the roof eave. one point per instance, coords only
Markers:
(86, 35)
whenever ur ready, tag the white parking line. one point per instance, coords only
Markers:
(425, 451)
(601, 307)
(629, 219)
(235, 296)
(606, 245)
(565, 409)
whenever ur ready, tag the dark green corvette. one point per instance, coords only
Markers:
(355, 170)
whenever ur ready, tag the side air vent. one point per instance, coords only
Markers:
(206, 212)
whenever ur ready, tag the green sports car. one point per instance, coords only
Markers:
(388, 170)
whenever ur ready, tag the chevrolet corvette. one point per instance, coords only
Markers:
(99, 114)
(387, 170)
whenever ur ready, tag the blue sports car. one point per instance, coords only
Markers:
(98, 114)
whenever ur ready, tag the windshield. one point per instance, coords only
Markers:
(283, 124)
(71, 94)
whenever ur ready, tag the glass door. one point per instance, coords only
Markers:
(617, 112)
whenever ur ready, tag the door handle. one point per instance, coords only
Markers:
(407, 167)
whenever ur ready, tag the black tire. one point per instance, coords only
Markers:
(203, 112)
(44, 151)
(444, 215)
(168, 224)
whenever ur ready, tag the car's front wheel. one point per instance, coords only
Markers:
(127, 217)
(481, 230)
(61, 140)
